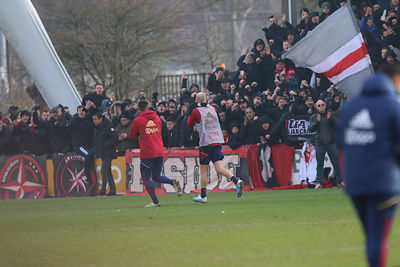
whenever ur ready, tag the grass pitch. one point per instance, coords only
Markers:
(265, 228)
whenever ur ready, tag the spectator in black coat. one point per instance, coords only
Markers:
(162, 111)
(252, 67)
(214, 81)
(238, 114)
(7, 144)
(128, 110)
(222, 120)
(234, 137)
(192, 137)
(304, 23)
(96, 98)
(21, 132)
(299, 105)
(13, 113)
(171, 136)
(57, 129)
(249, 128)
(105, 141)
(173, 110)
(82, 130)
(264, 131)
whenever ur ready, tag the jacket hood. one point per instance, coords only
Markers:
(148, 114)
(258, 41)
(379, 84)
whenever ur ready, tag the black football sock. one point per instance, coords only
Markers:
(203, 192)
(234, 179)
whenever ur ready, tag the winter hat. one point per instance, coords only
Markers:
(291, 72)
(326, 5)
(305, 10)
(5, 118)
(234, 124)
(265, 119)
(25, 112)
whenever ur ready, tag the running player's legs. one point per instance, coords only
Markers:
(219, 168)
(146, 167)
(204, 163)
(360, 204)
(376, 214)
(204, 175)
(216, 156)
(380, 214)
(156, 174)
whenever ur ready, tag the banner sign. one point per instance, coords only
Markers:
(297, 127)
(70, 179)
(305, 164)
(184, 165)
(22, 176)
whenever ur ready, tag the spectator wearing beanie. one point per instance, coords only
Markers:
(249, 128)
(234, 138)
(291, 83)
(264, 131)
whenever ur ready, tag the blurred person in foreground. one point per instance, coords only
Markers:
(369, 137)
(148, 125)
(206, 119)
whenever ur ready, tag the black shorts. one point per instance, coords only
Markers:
(213, 153)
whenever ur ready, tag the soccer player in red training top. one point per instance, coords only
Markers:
(148, 126)
(211, 141)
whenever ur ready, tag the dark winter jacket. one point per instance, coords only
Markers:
(253, 70)
(192, 138)
(249, 133)
(82, 132)
(96, 99)
(58, 132)
(30, 139)
(234, 141)
(368, 132)
(105, 139)
(324, 129)
(7, 143)
(171, 138)
(214, 85)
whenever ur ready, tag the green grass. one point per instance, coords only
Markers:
(270, 228)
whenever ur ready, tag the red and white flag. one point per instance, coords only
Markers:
(336, 49)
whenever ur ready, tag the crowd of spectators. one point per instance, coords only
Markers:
(252, 104)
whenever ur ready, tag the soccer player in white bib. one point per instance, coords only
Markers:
(211, 140)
